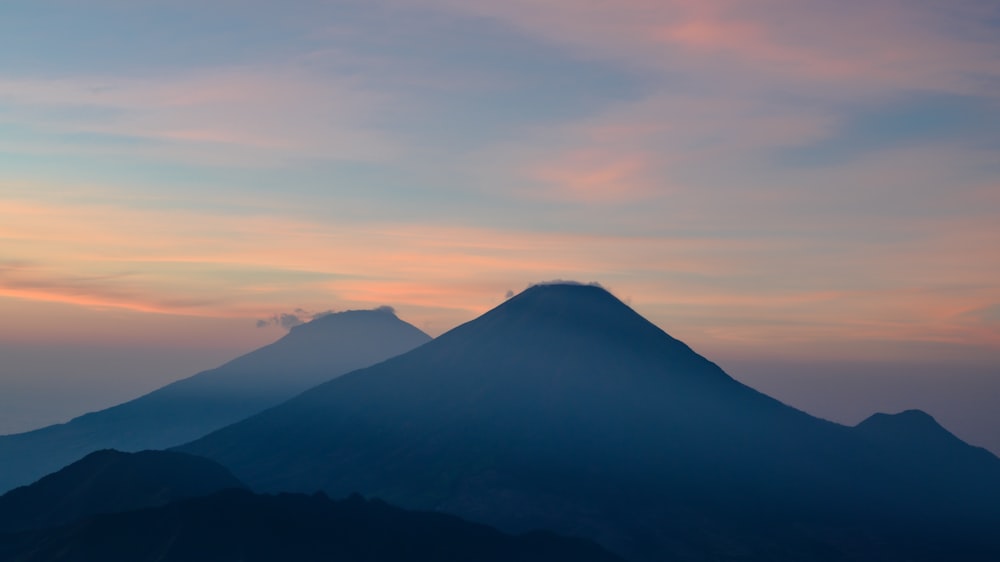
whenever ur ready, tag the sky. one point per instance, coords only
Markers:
(806, 191)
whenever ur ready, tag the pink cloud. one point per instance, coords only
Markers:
(251, 116)
(867, 46)
(595, 176)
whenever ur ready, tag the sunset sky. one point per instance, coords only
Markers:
(800, 182)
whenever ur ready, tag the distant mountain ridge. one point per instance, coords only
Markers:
(165, 506)
(311, 353)
(564, 409)
(111, 481)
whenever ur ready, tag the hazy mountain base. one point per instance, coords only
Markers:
(187, 409)
(237, 525)
(563, 409)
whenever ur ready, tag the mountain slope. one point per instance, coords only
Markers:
(109, 482)
(237, 525)
(311, 353)
(564, 409)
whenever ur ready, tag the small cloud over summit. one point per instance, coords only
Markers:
(285, 320)
(566, 282)
(555, 282)
(289, 320)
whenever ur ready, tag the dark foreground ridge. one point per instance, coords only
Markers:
(238, 525)
(109, 482)
(312, 353)
(564, 409)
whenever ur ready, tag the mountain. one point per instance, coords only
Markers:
(914, 429)
(109, 482)
(238, 525)
(311, 353)
(932, 456)
(564, 409)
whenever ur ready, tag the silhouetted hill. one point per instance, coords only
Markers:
(311, 353)
(915, 428)
(237, 525)
(564, 409)
(108, 482)
(927, 453)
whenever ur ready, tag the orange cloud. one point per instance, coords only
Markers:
(750, 290)
(100, 255)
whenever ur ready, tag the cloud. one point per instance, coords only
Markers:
(597, 176)
(36, 281)
(987, 316)
(247, 115)
(566, 282)
(880, 277)
(289, 320)
(15, 265)
(284, 320)
(863, 47)
(727, 87)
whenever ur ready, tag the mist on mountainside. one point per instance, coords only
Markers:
(311, 353)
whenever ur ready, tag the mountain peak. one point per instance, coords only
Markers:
(914, 436)
(382, 314)
(562, 302)
(574, 320)
(566, 289)
(907, 419)
(565, 294)
(561, 286)
(908, 425)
